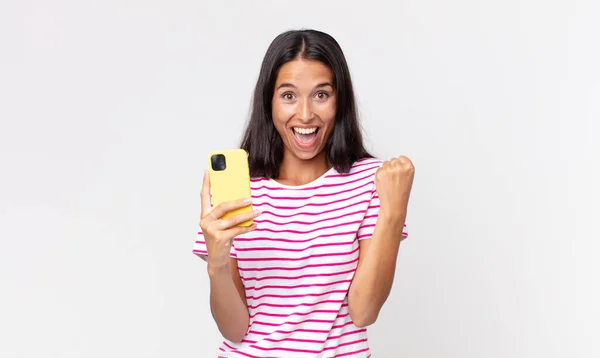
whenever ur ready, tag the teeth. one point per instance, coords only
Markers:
(305, 130)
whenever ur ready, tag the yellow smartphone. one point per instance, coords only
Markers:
(229, 177)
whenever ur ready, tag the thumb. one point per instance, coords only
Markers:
(205, 196)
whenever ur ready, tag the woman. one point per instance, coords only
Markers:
(318, 264)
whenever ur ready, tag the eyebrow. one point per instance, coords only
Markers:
(287, 84)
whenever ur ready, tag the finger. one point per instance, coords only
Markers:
(406, 162)
(404, 159)
(205, 196)
(398, 160)
(238, 219)
(240, 230)
(223, 208)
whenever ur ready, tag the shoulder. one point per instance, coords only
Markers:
(367, 162)
(366, 166)
(361, 174)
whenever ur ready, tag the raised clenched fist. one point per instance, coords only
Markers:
(393, 181)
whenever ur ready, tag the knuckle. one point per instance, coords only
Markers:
(240, 218)
(212, 228)
(219, 236)
(229, 222)
(244, 217)
(204, 225)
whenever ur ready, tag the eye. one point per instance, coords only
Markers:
(322, 95)
(288, 96)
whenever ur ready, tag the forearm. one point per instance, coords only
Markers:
(374, 275)
(227, 308)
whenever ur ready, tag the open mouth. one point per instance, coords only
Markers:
(306, 137)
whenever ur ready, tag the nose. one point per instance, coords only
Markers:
(305, 113)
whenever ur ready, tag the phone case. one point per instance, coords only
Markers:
(232, 183)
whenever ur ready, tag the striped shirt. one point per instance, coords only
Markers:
(298, 264)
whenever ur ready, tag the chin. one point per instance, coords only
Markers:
(307, 155)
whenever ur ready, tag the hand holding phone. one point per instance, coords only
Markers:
(230, 180)
(231, 213)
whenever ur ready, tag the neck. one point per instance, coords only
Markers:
(295, 171)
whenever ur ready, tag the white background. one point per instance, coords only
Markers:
(109, 108)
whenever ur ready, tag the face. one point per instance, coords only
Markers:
(304, 106)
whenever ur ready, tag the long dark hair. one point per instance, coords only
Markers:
(262, 141)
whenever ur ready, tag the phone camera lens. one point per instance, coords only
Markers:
(218, 162)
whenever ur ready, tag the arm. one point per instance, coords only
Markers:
(227, 297)
(374, 275)
(228, 301)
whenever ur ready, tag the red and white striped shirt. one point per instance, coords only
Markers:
(298, 264)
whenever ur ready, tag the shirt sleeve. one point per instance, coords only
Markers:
(200, 247)
(367, 226)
